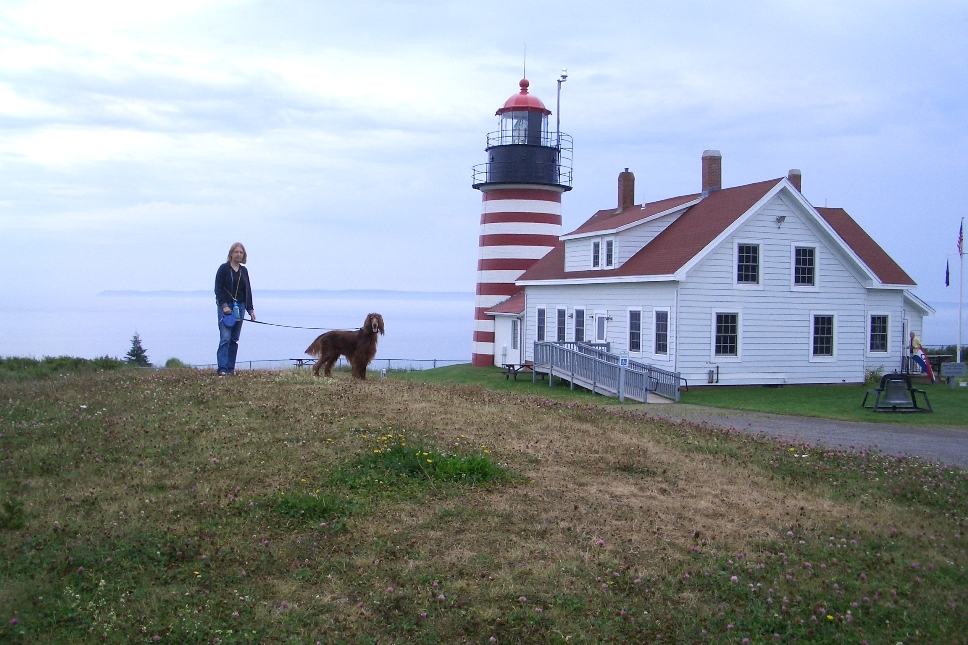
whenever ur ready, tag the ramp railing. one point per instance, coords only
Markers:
(593, 367)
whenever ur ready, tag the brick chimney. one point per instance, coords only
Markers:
(712, 171)
(794, 177)
(626, 190)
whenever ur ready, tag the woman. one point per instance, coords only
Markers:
(232, 286)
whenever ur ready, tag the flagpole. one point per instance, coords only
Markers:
(961, 284)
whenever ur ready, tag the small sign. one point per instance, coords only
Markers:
(623, 361)
(954, 369)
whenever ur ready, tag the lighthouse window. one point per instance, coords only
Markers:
(514, 127)
(596, 254)
(561, 325)
(541, 325)
(609, 253)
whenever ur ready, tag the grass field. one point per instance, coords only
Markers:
(824, 401)
(172, 506)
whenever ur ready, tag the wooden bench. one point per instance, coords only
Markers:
(513, 369)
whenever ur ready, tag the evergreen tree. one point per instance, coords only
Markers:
(137, 354)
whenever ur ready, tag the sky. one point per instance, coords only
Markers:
(138, 140)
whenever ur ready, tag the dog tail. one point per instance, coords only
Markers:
(316, 349)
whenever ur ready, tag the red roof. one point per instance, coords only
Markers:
(523, 101)
(513, 305)
(696, 228)
(672, 248)
(609, 219)
(876, 258)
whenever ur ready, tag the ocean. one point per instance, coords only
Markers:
(421, 327)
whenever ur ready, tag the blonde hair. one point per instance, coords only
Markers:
(237, 245)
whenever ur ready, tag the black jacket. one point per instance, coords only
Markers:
(226, 283)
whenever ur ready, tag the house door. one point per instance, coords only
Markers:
(601, 327)
(514, 346)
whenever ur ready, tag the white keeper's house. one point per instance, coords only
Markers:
(743, 285)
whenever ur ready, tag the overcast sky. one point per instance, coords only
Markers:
(138, 140)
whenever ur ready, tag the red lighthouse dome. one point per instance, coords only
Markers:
(523, 101)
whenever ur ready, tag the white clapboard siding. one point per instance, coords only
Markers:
(610, 299)
(578, 254)
(891, 304)
(776, 322)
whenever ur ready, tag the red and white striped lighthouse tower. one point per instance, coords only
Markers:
(527, 170)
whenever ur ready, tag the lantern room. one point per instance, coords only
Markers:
(523, 150)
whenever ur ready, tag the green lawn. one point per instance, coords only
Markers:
(835, 402)
(823, 401)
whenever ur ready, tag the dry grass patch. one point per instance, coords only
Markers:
(276, 508)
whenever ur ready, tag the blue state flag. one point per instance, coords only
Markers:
(947, 273)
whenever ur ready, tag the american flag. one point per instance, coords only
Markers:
(961, 238)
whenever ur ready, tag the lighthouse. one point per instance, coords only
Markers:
(527, 170)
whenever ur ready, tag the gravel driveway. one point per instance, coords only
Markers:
(945, 445)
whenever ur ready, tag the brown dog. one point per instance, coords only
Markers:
(359, 347)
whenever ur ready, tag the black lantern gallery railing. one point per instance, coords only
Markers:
(512, 162)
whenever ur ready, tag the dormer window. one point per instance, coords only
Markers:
(603, 253)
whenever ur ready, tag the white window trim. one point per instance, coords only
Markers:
(668, 355)
(628, 331)
(759, 269)
(823, 359)
(867, 340)
(591, 258)
(574, 325)
(793, 267)
(536, 310)
(719, 358)
(605, 241)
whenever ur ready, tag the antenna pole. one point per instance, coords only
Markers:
(561, 79)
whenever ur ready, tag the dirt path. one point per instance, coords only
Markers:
(946, 445)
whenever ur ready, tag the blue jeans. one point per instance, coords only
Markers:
(228, 343)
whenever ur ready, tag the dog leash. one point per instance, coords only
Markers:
(259, 322)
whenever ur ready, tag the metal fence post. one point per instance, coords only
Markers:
(621, 383)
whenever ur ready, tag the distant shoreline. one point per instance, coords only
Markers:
(324, 294)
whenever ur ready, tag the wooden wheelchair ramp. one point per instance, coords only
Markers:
(592, 367)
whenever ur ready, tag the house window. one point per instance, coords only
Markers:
(748, 264)
(596, 254)
(635, 331)
(823, 335)
(878, 342)
(804, 266)
(515, 332)
(662, 332)
(561, 325)
(609, 254)
(541, 325)
(727, 334)
(579, 325)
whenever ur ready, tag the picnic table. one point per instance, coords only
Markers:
(513, 369)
